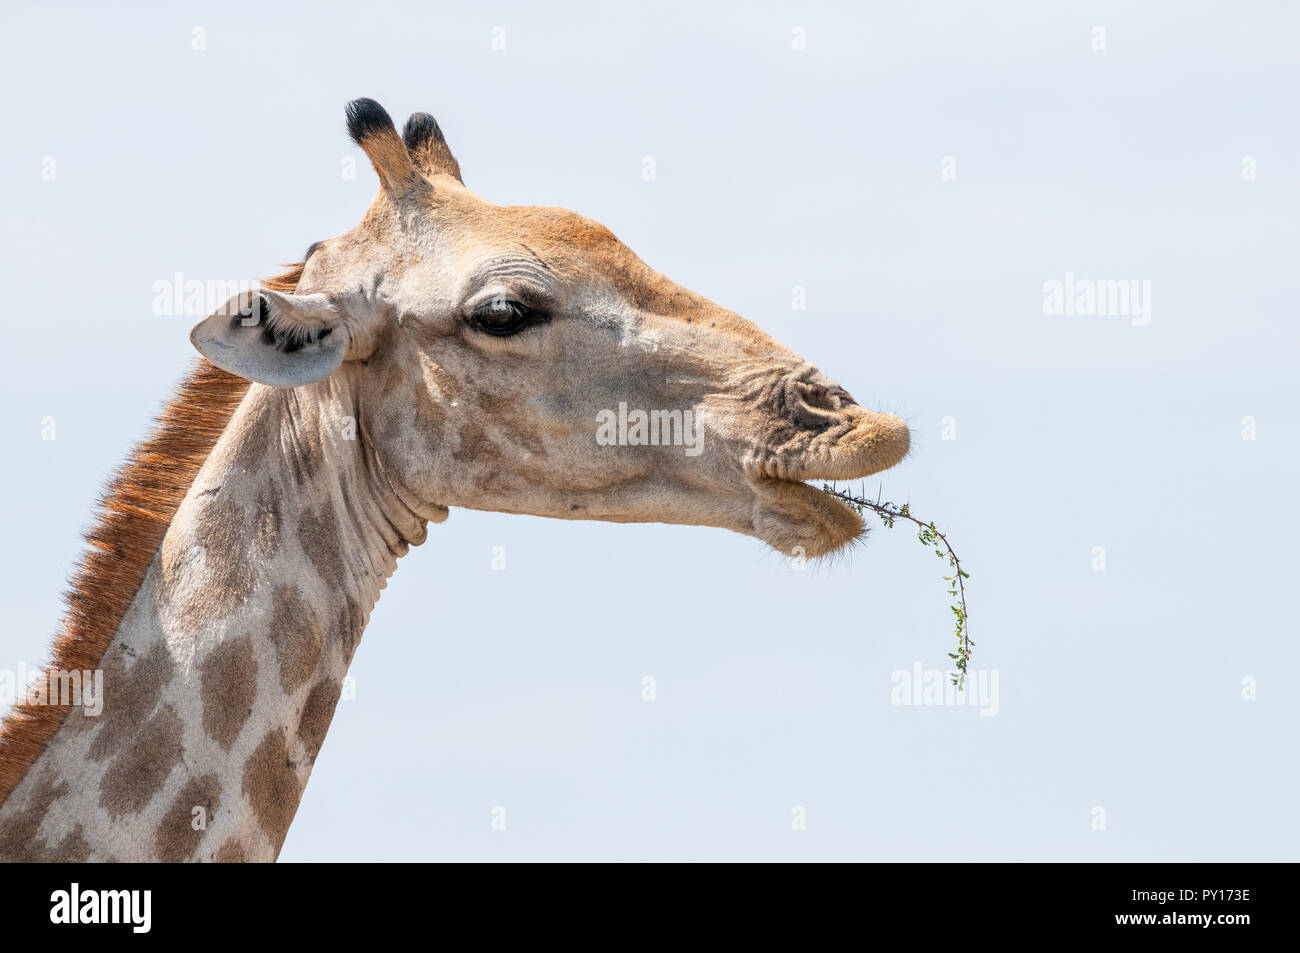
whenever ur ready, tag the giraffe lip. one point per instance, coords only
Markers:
(818, 489)
(874, 443)
(802, 519)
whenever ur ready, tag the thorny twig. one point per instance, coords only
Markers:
(929, 535)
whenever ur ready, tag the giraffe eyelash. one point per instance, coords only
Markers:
(518, 317)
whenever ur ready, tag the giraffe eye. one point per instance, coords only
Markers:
(503, 317)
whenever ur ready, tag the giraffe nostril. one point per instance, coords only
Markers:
(814, 405)
(844, 397)
(822, 398)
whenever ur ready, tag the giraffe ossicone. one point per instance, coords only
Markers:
(446, 352)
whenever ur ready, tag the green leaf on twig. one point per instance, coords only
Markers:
(930, 536)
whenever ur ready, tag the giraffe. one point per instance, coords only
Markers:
(446, 352)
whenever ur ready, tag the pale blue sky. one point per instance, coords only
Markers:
(775, 168)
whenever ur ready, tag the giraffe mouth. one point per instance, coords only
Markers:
(794, 514)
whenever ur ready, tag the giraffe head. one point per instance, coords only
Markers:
(522, 359)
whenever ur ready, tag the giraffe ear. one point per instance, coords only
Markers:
(272, 338)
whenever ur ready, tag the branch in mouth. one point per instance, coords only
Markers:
(932, 538)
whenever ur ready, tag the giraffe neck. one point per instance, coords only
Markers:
(223, 676)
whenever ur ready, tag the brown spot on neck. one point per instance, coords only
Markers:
(272, 787)
(229, 685)
(20, 840)
(298, 636)
(141, 769)
(231, 852)
(351, 623)
(130, 696)
(73, 849)
(317, 713)
(319, 538)
(224, 532)
(177, 839)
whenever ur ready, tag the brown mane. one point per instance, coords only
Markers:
(133, 516)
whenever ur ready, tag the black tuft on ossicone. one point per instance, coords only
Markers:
(420, 129)
(427, 148)
(367, 118)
